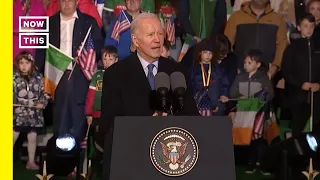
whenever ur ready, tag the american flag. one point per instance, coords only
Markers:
(171, 30)
(87, 58)
(122, 24)
(259, 119)
(205, 112)
(83, 144)
(262, 94)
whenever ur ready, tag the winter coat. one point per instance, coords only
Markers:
(268, 33)
(300, 64)
(28, 92)
(243, 86)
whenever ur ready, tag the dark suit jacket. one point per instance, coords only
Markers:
(81, 26)
(126, 91)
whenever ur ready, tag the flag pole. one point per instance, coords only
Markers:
(20, 105)
(311, 114)
(311, 174)
(79, 52)
(125, 16)
(85, 162)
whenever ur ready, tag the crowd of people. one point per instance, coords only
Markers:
(239, 58)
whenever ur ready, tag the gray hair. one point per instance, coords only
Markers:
(136, 21)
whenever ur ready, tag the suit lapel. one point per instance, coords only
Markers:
(142, 86)
(79, 31)
(140, 76)
(76, 37)
(161, 65)
(165, 66)
(55, 31)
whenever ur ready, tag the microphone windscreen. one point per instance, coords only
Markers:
(162, 80)
(177, 80)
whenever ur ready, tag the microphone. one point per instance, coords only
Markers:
(162, 87)
(179, 87)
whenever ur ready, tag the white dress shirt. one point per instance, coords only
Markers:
(145, 64)
(66, 34)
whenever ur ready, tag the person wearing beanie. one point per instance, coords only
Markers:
(210, 85)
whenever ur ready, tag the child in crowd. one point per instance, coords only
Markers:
(227, 60)
(302, 76)
(249, 84)
(210, 85)
(228, 63)
(29, 100)
(166, 49)
(93, 102)
(306, 25)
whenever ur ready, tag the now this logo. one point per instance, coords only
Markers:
(34, 32)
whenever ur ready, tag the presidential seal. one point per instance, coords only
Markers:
(174, 151)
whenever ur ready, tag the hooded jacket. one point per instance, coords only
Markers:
(248, 87)
(268, 33)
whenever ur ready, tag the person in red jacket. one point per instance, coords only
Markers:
(93, 101)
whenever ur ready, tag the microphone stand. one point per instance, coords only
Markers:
(170, 113)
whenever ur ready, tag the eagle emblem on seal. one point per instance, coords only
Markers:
(174, 151)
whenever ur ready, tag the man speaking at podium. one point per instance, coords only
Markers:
(128, 84)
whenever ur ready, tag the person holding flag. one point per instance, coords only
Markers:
(114, 5)
(302, 77)
(75, 43)
(112, 8)
(209, 84)
(253, 90)
(119, 34)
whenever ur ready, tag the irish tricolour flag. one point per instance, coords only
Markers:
(247, 110)
(55, 65)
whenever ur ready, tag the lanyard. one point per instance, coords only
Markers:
(206, 80)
